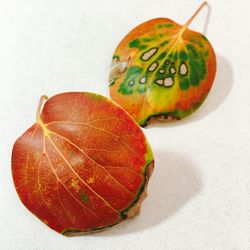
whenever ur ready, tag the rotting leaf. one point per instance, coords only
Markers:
(83, 166)
(169, 74)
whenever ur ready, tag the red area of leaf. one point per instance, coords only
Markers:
(82, 164)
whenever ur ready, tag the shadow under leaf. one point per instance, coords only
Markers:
(174, 182)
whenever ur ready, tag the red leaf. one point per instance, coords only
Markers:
(82, 165)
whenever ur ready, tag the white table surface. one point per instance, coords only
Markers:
(199, 195)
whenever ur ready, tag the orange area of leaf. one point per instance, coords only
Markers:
(155, 99)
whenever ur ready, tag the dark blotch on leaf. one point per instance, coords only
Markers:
(141, 89)
(162, 55)
(194, 78)
(164, 43)
(132, 72)
(84, 197)
(183, 56)
(184, 84)
(137, 44)
(134, 44)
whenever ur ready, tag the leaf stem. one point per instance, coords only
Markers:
(185, 26)
(42, 98)
(195, 14)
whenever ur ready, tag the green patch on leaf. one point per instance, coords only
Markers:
(165, 25)
(146, 39)
(194, 77)
(192, 51)
(204, 37)
(176, 55)
(141, 89)
(170, 56)
(164, 43)
(199, 66)
(149, 39)
(137, 44)
(162, 55)
(169, 25)
(201, 45)
(142, 47)
(132, 73)
(134, 44)
(125, 90)
(84, 197)
(184, 84)
(183, 55)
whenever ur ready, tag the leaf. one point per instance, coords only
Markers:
(82, 165)
(167, 70)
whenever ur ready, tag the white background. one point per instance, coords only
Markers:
(199, 195)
